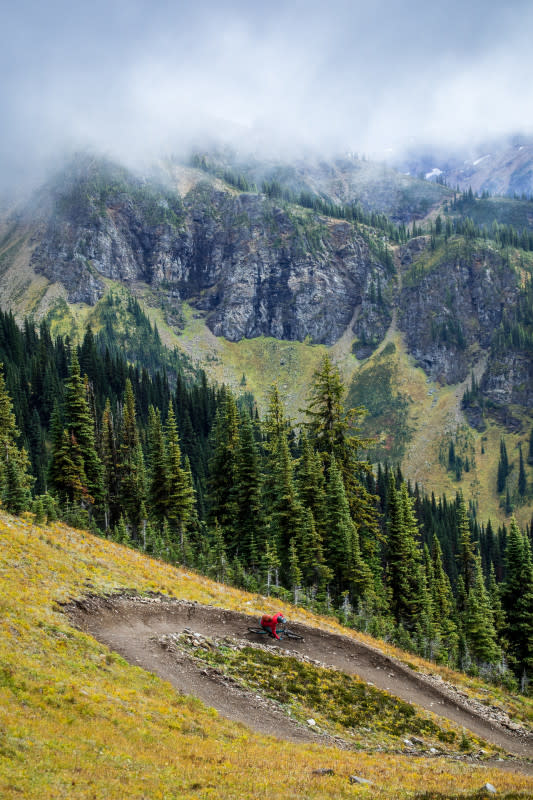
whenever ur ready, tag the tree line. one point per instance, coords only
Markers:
(187, 472)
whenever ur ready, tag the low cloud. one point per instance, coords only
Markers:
(135, 79)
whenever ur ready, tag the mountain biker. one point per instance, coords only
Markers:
(269, 623)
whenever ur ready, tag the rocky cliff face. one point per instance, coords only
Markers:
(451, 303)
(255, 267)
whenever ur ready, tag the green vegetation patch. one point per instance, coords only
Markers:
(61, 319)
(375, 388)
(332, 698)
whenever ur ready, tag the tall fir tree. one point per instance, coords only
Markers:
(342, 544)
(334, 432)
(517, 600)
(109, 458)
(311, 484)
(222, 484)
(157, 466)
(479, 621)
(81, 427)
(131, 468)
(443, 604)
(466, 554)
(180, 500)
(286, 512)
(522, 481)
(403, 558)
(250, 515)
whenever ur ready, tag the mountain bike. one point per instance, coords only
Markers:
(283, 633)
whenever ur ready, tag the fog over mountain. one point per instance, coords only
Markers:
(134, 78)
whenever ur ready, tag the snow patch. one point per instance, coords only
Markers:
(435, 172)
(479, 160)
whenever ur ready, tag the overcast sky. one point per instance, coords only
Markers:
(132, 77)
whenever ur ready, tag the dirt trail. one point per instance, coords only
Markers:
(129, 626)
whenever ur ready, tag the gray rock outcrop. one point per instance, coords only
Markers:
(255, 268)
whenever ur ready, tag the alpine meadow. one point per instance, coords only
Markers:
(266, 402)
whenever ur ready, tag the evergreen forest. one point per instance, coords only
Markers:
(143, 450)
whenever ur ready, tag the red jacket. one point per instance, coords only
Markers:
(271, 622)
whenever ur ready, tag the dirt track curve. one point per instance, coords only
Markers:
(129, 626)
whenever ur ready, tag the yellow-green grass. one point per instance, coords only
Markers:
(435, 417)
(76, 721)
(262, 360)
(339, 703)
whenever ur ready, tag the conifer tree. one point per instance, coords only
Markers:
(56, 437)
(496, 602)
(275, 422)
(109, 458)
(80, 425)
(220, 566)
(286, 512)
(427, 631)
(311, 484)
(443, 605)
(334, 432)
(315, 571)
(275, 427)
(158, 466)
(503, 467)
(122, 534)
(466, 548)
(478, 620)
(522, 482)
(180, 500)
(517, 600)
(250, 517)
(70, 481)
(343, 551)
(131, 461)
(223, 470)
(15, 493)
(271, 564)
(15, 480)
(295, 573)
(403, 557)
(525, 611)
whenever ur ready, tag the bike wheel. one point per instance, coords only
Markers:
(291, 635)
(260, 631)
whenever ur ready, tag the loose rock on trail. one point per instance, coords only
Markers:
(131, 626)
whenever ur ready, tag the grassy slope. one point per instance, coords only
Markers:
(77, 721)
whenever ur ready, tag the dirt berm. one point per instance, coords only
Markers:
(130, 626)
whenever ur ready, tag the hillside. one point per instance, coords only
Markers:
(255, 286)
(78, 720)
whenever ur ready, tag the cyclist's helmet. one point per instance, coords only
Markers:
(281, 620)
